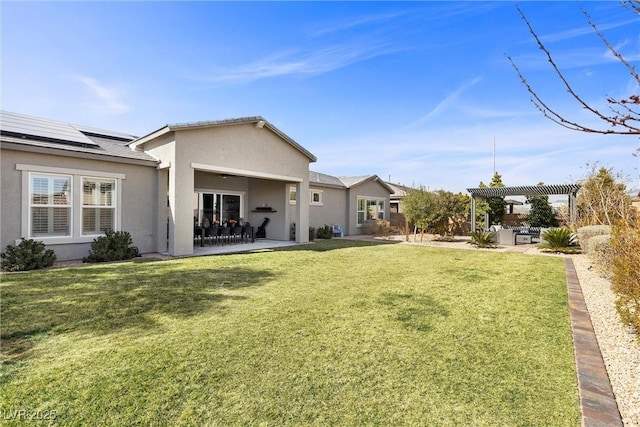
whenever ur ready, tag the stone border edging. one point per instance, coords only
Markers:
(597, 401)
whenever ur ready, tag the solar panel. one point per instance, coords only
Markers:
(21, 126)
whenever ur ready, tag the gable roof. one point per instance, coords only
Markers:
(28, 132)
(352, 181)
(399, 190)
(316, 178)
(325, 180)
(257, 121)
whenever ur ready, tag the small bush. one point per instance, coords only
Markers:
(601, 254)
(587, 232)
(312, 234)
(625, 247)
(483, 239)
(28, 255)
(559, 240)
(113, 246)
(324, 232)
(380, 227)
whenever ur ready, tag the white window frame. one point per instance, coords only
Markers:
(97, 206)
(311, 194)
(69, 205)
(292, 192)
(76, 175)
(378, 211)
(198, 197)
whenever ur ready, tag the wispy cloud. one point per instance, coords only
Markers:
(582, 31)
(360, 22)
(311, 62)
(446, 103)
(102, 97)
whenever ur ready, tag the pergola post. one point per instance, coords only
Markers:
(473, 213)
(572, 208)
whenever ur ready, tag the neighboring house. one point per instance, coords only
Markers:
(346, 201)
(65, 185)
(399, 192)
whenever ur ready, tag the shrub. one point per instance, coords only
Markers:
(312, 234)
(601, 254)
(587, 232)
(28, 255)
(324, 232)
(113, 246)
(625, 247)
(379, 227)
(559, 240)
(482, 239)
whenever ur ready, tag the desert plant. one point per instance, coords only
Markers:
(113, 246)
(625, 248)
(601, 254)
(587, 232)
(482, 239)
(28, 255)
(559, 240)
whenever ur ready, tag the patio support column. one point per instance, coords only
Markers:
(161, 208)
(302, 212)
(181, 210)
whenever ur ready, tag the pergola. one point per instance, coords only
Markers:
(570, 190)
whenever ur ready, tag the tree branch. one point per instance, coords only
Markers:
(618, 120)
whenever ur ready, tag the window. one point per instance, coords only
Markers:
(98, 205)
(370, 209)
(292, 195)
(315, 197)
(62, 205)
(50, 205)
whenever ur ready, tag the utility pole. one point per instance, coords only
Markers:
(494, 155)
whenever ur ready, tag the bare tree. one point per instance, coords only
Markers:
(623, 116)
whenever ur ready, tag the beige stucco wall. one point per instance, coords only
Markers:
(333, 209)
(256, 158)
(138, 199)
(366, 189)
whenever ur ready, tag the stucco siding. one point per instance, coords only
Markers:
(372, 189)
(242, 147)
(333, 209)
(137, 200)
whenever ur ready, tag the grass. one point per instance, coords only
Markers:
(334, 333)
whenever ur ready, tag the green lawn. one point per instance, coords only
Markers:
(333, 333)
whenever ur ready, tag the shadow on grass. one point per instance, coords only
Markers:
(112, 298)
(414, 311)
(324, 245)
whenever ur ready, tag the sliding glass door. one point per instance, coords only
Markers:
(217, 208)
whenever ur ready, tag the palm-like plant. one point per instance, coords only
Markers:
(559, 240)
(482, 239)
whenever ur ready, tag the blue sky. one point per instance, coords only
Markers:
(414, 91)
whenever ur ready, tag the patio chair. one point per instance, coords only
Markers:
(210, 235)
(247, 233)
(197, 235)
(235, 234)
(223, 234)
